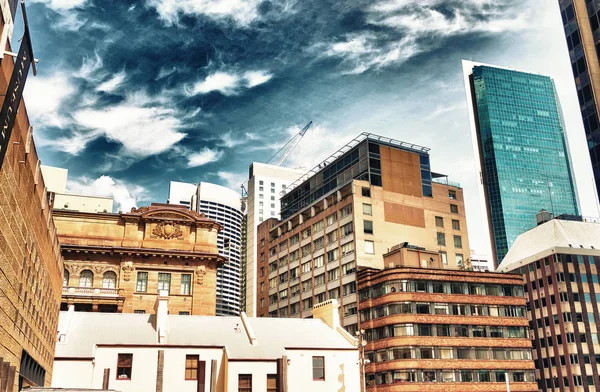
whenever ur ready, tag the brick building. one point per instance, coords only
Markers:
(119, 262)
(559, 261)
(433, 329)
(30, 261)
(348, 211)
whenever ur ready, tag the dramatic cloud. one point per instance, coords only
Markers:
(125, 194)
(230, 83)
(142, 131)
(61, 4)
(203, 157)
(241, 11)
(89, 65)
(113, 83)
(44, 96)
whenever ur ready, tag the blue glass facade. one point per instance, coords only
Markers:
(523, 154)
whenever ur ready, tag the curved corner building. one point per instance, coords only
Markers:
(224, 205)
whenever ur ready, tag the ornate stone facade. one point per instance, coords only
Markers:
(119, 262)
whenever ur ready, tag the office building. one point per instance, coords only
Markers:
(560, 261)
(170, 353)
(265, 184)
(118, 262)
(481, 263)
(435, 329)
(30, 260)
(224, 206)
(60, 199)
(520, 148)
(581, 21)
(348, 211)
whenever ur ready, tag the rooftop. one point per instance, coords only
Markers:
(553, 237)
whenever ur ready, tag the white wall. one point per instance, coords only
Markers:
(342, 373)
(174, 369)
(72, 374)
(259, 371)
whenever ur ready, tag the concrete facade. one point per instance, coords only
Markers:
(119, 262)
(265, 184)
(312, 255)
(30, 260)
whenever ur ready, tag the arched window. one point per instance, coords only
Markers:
(66, 276)
(86, 278)
(109, 280)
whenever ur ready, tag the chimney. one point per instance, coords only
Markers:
(161, 316)
(328, 311)
(543, 216)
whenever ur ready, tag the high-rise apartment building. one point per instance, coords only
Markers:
(520, 148)
(265, 184)
(348, 211)
(225, 206)
(434, 329)
(581, 21)
(560, 262)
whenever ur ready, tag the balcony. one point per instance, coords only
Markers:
(93, 299)
(92, 292)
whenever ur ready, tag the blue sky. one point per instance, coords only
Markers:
(133, 94)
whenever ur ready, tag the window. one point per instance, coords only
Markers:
(368, 227)
(109, 280)
(318, 227)
(195, 370)
(455, 224)
(439, 221)
(370, 247)
(244, 382)
(347, 210)
(319, 261)
(346, 229)
(347, 248)
(164, 282)
(319, 366)
(186, 282)
(86, 278)
(271, 383)
(333, 274)
(331, 219)
(441, 238)
(454, 208)
(66, 278)
(367, 209)
(366, 192)
(139, 311)
(124, 365)
(452, 194)
(460, 260)
(444, 258)
(458, 241)
(332, 255)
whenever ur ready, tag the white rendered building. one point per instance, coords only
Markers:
(265, 184)
(172, 353)
(223, 205)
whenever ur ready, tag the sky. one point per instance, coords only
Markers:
(133, 94)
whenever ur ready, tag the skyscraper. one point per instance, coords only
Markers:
(223, 205)
(520, 149)
(581, 21)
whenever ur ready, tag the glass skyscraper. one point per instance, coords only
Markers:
(521, 148)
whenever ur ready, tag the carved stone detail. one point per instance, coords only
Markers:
(139, 210)
(167, 230)
(200, 273)
(127, 268)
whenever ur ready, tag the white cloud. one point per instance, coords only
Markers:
(224, 82)
(73, 144)
(206, 155)
(113, 83)
(89, 65)
(232, 180)
(254, 78)
(242, 12)
(62, 4)
(229, 83)
(142, 131)
(44, 95)
(125, 195)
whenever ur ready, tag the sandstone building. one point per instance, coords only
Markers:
(434, 329)
(348, 211)
(119, 262)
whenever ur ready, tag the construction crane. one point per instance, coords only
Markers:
(289, 146)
